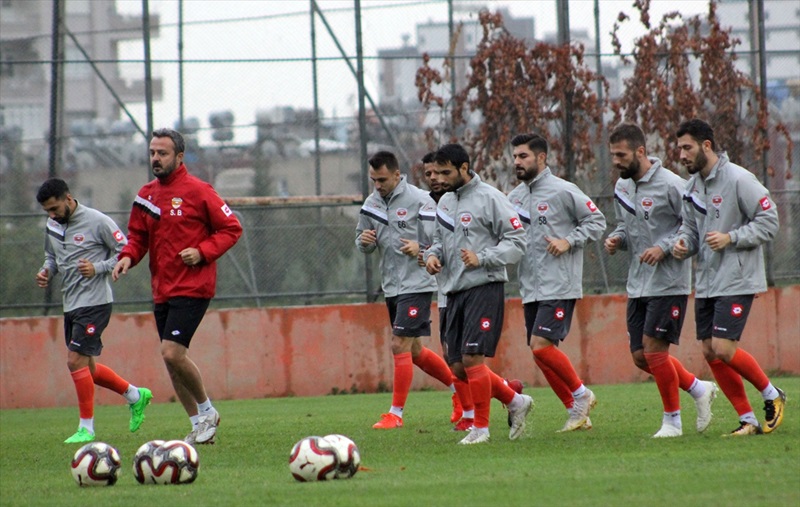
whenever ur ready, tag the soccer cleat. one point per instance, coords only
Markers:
(744, 429)
(82, 436)
(464, 425)
(137, 409)
(587, 425)
(516, 385)
(773, 412)
(518, 417)
(207, 428)
(476, 436)
(191, 439)
(580, 412)
(703, 405)
(388, 421)
(457, 410)
(668, 431)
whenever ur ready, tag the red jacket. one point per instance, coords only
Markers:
(179, 212)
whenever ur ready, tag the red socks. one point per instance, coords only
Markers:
(464, 394)
(403, 374)
(685, 379)
(500, 389)
(560, 364)
(108, 378)
(731, 384)
(84, 386)
(433, 364)
(480, 385)
(559, 387)
(747, 366)
(666, 377)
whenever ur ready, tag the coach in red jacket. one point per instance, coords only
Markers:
(186, 227)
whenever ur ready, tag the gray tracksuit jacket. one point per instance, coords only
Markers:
(552, 207)
(649, 214)
(89, 235)
(476, 217)
(729, 200)
(407, 213)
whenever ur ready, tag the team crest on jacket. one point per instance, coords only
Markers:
(737, 310)
(647, 203)
(591, 206)
(559, 314)
(486, 324)
(675, 313)
(413, 311)
(542, 208)
(716, 201)
(765, 204)
(465, 219)
(176, 202)
(401, 213)
(118, 236)
(78, 238)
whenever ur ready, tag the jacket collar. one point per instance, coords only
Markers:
(652, 171)
(399, 189)
(178, 173)
(723, 159)
(473, 183)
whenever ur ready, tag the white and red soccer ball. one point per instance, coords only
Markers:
(170, 462)
(96, 464)
(324, 458)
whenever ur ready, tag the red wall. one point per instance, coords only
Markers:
(306, 351)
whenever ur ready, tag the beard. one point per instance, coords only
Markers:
(64, 219)
(526, 174)
(696, 165)
(457, 183)
(164, 171)
(629, 172)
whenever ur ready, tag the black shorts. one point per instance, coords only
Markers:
(722, 317)
(474, 321)
(410, 314)
(83, 328)
(549, 319)
(660, 317)
(178, 318)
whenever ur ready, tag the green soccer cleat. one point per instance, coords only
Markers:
(137, 409)
(82, 436)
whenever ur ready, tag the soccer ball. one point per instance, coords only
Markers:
(175, 462)
(96, 464)
(143, 462)
(348, 455)
(313, 459)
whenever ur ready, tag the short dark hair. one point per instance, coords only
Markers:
(428, 157)
(699, 130)
(535, 142)
(629, 132)
(54, 187)
(177, 138)
(451, 154)
(384, 158)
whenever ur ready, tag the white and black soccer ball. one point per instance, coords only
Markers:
(175, 462)
(313, 459)
(347, 453)
(96, 464)
(143, 462)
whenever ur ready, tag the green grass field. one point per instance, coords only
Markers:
(615, 464)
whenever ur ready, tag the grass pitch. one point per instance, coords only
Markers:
(615, 464)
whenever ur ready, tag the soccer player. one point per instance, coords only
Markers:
(727, 217)
(82, 244)
(391, 221)
(185, 227)
(463, 408)
(648, 209)
(477, 234)
(558, 219)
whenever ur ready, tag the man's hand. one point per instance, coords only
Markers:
(433, 265)
(680, 250)
(121, 268)
(556, 246)
(86, 268)
(611, 244)
(43, 278)
(652, 255)
(191, 256)
(718, 240)
(369, 237)
(469, 258)
(410, 247)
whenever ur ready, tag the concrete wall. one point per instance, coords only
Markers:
(304, 351)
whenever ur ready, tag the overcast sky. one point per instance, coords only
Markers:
(277, 35)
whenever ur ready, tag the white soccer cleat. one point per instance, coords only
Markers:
(206, 428)
(703, 405)
(668, 431)
(476, 436)
(518, 417)
(579, 414)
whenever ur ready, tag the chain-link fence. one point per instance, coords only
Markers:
(268, 96)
